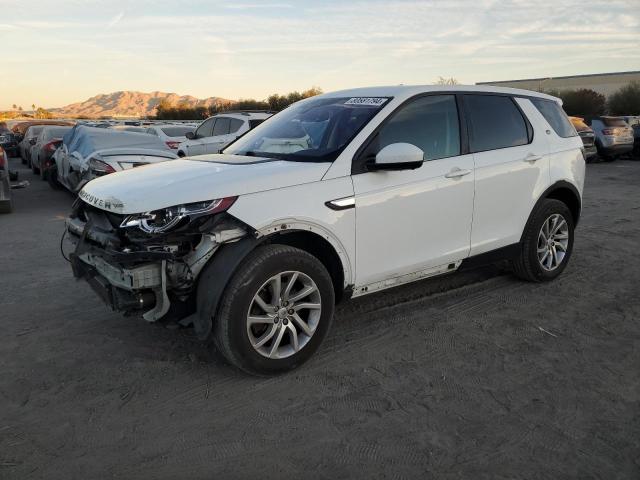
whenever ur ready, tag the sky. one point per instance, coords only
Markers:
(58, 52)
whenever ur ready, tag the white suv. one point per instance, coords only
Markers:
(338, 196)
(218, 131)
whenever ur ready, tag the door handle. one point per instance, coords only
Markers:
(456, 172)
(531, 158)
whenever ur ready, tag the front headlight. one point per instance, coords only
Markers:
(167, 219)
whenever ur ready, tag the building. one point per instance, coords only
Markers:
(604, 83)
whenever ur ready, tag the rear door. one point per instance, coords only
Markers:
(510, 152)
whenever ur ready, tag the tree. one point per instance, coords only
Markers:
(42, 113)
(33, 106)
(19, 109)
(184, 110)
(14, 106)
(626, 100)
(447, 81)
(583, 102)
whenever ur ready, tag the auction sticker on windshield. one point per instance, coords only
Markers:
(368, 101)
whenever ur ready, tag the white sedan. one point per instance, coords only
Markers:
(171, 135)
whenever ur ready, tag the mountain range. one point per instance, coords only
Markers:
(130, 104)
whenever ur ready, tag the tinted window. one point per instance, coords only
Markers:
(176, 131)
(553, 113)
(614, 122)
(494, 122)
(235, 125)
(254, 123)
(430, 123)
(205, 129)
(221, 127)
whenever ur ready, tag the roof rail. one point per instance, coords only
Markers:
(244, 112)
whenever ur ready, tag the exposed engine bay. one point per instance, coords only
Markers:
(149, 263)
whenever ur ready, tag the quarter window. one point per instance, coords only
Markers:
(221, 127)
(430, 123)
(494, 122)
(555, 116)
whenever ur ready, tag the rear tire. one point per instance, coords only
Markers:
(532, 264)
(236, 334)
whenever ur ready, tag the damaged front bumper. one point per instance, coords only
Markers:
(152, 277)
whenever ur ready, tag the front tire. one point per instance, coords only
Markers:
(275, 311)
(52, 178)
(547, 242)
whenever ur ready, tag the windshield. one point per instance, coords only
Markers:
(314, 130)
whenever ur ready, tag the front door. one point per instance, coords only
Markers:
(202, 134)
(413, 220)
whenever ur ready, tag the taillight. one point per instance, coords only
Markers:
(100, 168)
(608, 131)
(3, 158)
(51, 147)
(173, 145)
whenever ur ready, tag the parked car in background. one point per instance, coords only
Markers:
(339, 195)
(634, 122)
(614, 137)
(588, 137)
(128, 128)
(172, 135)
(5, 183)
(28, 141)
(9, 143)
(47, 142)
(19, 128)
(87, 153)
(218, 131)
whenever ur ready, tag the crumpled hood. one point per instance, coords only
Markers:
(195, 179)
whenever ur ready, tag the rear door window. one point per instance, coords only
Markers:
(555, 116)
(495, 122)
(235, 125)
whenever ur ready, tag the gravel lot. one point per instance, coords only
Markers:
(476, 375)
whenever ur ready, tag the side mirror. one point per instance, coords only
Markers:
(190, 135)
(397, 156)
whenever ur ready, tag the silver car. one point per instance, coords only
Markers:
(614, 137)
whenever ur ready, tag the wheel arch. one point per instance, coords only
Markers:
(318, 246)
(224, 263)
(565, 192)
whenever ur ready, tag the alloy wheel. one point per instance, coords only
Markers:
(553, 242)
(284, 314)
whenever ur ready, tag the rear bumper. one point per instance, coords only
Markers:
(590, 151)
(617, 149)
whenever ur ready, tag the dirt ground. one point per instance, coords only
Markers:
(476, 375)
